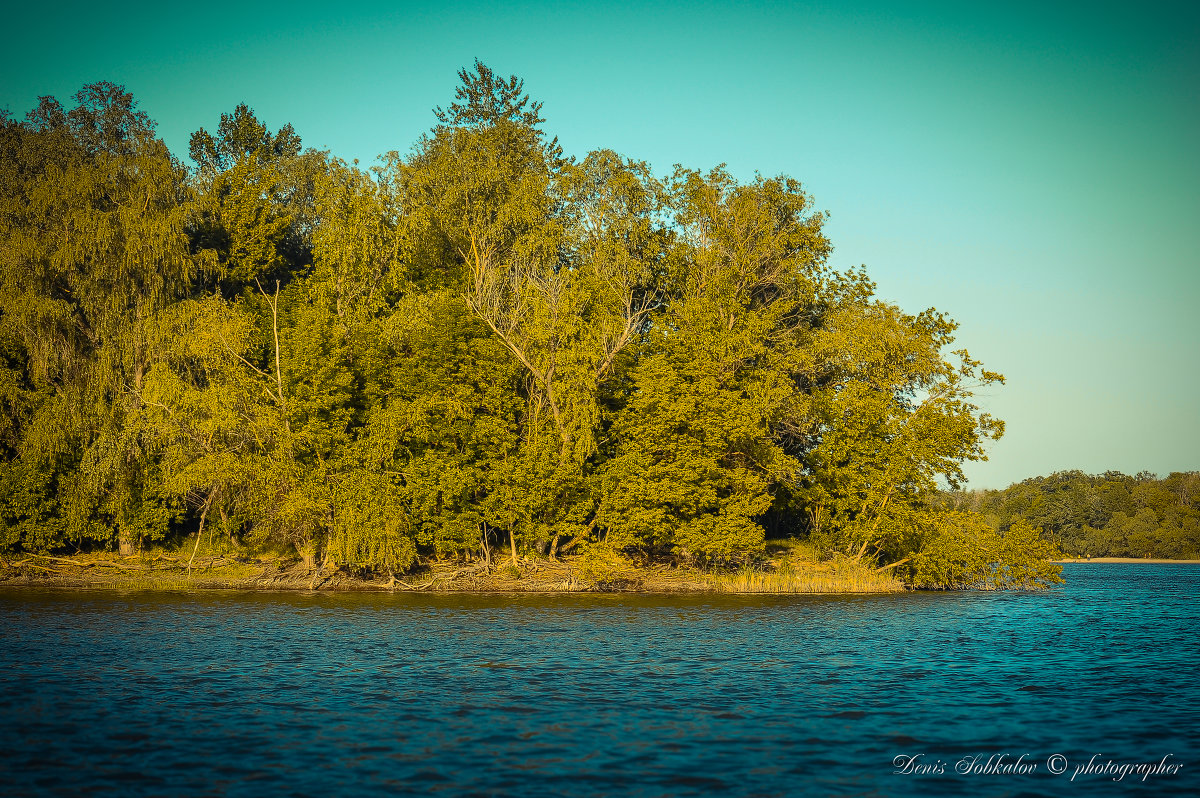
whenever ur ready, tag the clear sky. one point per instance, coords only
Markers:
(1032, 170)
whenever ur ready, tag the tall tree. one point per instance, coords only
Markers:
(93, 248)
(554, 281)
(255, 206)
(695, 455)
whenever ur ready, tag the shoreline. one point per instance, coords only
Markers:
(1127, 560)
(164, 572)
(530, 576)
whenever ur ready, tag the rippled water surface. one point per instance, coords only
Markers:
(250, 694)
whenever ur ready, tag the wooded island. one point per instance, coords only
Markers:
(481, 350)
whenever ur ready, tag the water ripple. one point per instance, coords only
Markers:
(254, 694)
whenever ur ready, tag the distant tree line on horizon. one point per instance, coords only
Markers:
(480, 344)
(1102, 515)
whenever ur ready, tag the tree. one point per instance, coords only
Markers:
(560, 285)
(695, 455)
(92, 249)
(891, 415)
(254, 205)
(481, 341)
(961, 551)
(1109, 514)
(262, 414)
(483, 99)
(240, 136)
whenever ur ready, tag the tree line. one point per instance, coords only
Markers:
(1102, 515)
(481, 344)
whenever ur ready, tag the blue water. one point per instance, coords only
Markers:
(252, 694)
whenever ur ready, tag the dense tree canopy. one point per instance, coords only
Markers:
(479, 343)
(1103, 515)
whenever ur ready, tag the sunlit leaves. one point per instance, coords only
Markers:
(92, 250)
(960, 550)
(479, 343)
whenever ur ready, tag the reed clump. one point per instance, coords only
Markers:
(802, 571)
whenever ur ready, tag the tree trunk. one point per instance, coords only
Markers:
(572, 543)
(512, 542)
(125, 544)
(317, 581)
(199, 534)
(308, 553)
(225, 525)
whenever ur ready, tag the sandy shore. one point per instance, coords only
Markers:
(1130, 560)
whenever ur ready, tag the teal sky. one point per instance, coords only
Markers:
(1033, 171)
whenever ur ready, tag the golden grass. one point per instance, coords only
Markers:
(836, 576)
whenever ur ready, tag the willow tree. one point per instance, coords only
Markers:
(258, 414)
(358, 277)
(92, 248)
(30, 514)
(263, 414)
(215, 418)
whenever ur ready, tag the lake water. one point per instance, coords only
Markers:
(252, 694)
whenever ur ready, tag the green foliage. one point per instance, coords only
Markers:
(479, 344)
(1103, 515)
(30, 515)
(370, 526)
(960, 550)
(602, 564)
(485, 98)
(240, 135)
(92, 251)
(254, 205)
(890, 415)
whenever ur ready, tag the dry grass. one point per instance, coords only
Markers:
(792, 567)
(157, 569)
(836, 576)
